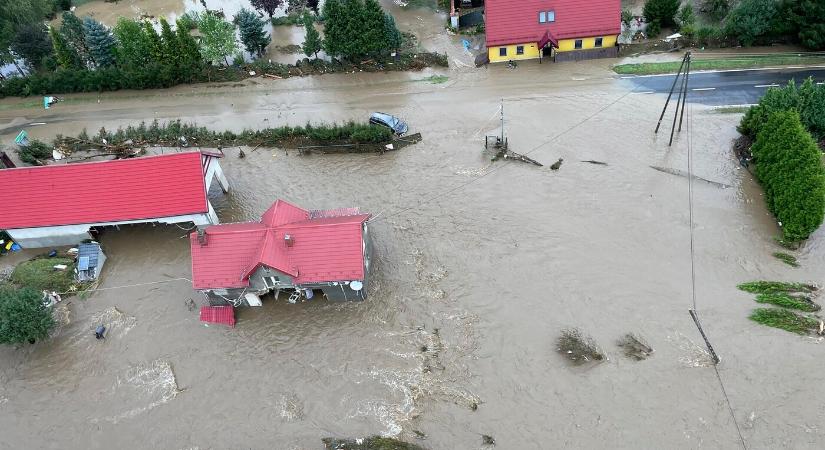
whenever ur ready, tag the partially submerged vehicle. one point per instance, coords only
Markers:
(398, 126)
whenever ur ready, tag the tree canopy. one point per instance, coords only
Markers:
(100, 42)
(32, 42)
(312, 41)
(267, 6)
(253, 36)
(217, 38)
(23, 316)
(661, 11)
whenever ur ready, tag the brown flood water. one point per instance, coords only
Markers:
(482, 263)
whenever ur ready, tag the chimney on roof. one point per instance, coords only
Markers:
(289, 241)
(201, 236)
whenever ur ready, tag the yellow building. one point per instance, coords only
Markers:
(562, 29)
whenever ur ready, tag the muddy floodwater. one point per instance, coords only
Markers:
(479, 267)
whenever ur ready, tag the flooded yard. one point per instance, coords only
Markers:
(479, 267)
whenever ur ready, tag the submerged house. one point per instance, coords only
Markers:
(564, 30)
(308, 252)
(90, 260)
(62, 204)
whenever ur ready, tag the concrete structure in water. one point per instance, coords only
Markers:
(290, 248)
(62, 204)
(564, 30)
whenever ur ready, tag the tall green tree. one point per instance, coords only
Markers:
(312, 41)
(751, 20)
(190, 52)
(23, 316)
(65, 54)
(267, 6)
(72, 30)
(133, 49)
(807, 18)
(100, 42)
(217, 38)
(32, 43)
(789, 166)
(352, 23)
(372, 35)
(154, 42)
(253, 36)
(14, 14)
(716, 9)
(661, 11)
(334, 31)
(171, 45)
(391, 33)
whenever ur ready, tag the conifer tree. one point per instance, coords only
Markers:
(253, 36)
(372, 35)
(190, 53)
(354, 44)
(153, 41)
(171, 45)
(66, 56)
(334, 37)
(391, 33)
(100, 42)
(133, 48)
(75, 37)
(312, 42)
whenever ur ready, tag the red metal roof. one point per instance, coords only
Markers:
(218, 314)
(106, 191)
(323, 249)
(517, 21)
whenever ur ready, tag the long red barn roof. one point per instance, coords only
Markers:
(324, 249)
(105, 191)
(517, 21)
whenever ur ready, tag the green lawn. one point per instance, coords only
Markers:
(747, 62)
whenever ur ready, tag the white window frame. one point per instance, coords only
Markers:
(542, 17)
(551, 16)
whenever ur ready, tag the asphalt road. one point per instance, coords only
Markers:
(726, 88)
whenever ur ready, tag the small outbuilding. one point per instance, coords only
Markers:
(90, 260)
(290, 248)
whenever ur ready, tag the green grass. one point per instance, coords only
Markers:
(786, 258)
(784, 319)
(733, 110)
(39, 274)
(750, 62)
(775, 287)
(788, 301)
(435, 79)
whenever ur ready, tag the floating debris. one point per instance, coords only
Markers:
(591, 161)
(786, 258)
(486, 439)
(556, 165)
(681, 173)
(785, 320)
(635, 347)
(369, 443)
(578, 347)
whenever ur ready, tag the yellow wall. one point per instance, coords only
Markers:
(531, 51)
(567, 45)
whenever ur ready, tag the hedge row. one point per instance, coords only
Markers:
(808, 100)
(789, 166)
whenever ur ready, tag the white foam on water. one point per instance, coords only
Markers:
(693, 355)
(155, 382)
(292, 407)
(116, 322)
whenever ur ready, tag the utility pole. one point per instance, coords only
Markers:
(684, 73)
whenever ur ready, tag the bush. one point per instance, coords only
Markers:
(653, 29)
(752, 20)
(662, 11)
(789, 166)
(35, 153)
(716, 9)
(23, 316)
(789, 301)
(807, 99)
(775, 287)
(685, 17)
(371, 134)
(627, 16)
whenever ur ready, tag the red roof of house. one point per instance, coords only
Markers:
(105, 191)
(327, 248)
(218, 314)
(517, 21)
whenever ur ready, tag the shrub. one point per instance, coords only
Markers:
(775, 287)
(685, 17)
(23, 316)
(35, 153)
(807, 99)
(627, 16)
(371, 134)
(716, 9)
(662, 11)
(789, 166)
(788, 301)
(653, 29)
